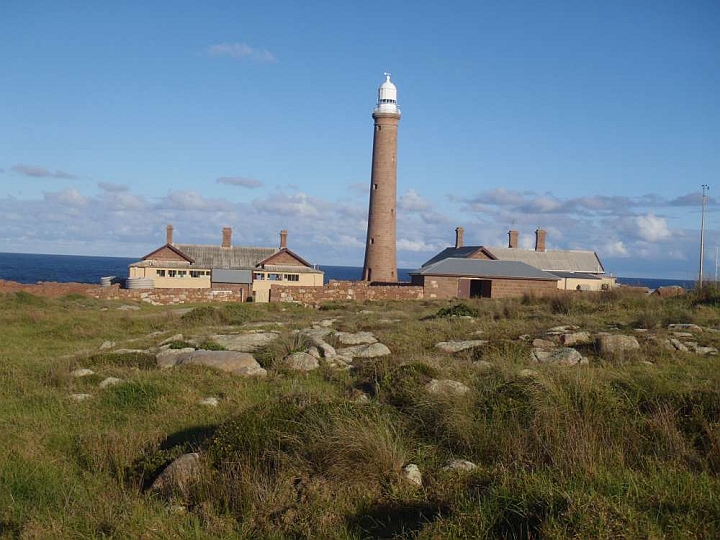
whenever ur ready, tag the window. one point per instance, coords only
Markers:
(275, 277)
(172, 273)
(374, 186)
(160, 273)
(258, 276)
(197, 273)
(182, 273)
(292, 277)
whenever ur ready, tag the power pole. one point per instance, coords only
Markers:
(705, 188)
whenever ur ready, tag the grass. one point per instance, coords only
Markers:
(613, 449)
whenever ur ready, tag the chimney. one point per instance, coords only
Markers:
(540, 240)
(168, 234)
(513, 239)
(283, 239)
(227, 236)
(459, 237)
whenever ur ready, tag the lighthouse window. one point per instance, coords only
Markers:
(374, 186)
(372, 240)
(378, 128)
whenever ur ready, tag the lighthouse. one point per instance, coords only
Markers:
(380, 258)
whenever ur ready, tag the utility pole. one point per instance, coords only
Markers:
(705, 188)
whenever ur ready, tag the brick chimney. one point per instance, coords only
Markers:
(283, 239)
(513, 239)
(227, 237)
(459, 237)
(168, 234)
(540, 240)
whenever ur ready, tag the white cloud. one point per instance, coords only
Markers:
(41, 172)
(414, 245)
(113, 188)
(297, 205)
(242, 51)
(192, 200)
(240, 181)
(69, 197)
(652, 228)
(410, 201)
(614, 249)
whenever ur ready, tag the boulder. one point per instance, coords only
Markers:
(411, 474)
(110, 381)
(178, 477)
(83, 372)
(483, 365)
(543, 343)
(248, 342)
(678, 345)
(528, 374)
(373, 350)
(685, 327)
(575, 338)
(107, 345)
(301, 361)
(616, 343)
(668, 292)
(171, 357)
(457, 346)
(459, 465)
(446, 387)
(560, 356)
(210, 401)
(559, 330)
(326, 350)
(314, 351)
(358, 338)
(176, 337)
(237, 363)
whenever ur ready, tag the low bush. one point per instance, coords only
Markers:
(138, 360)
(458, 310)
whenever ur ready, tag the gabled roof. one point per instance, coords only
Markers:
(460, 253)
(234, 257)
(298, 258)
(482, 268)
(553, 260)
(172, 248)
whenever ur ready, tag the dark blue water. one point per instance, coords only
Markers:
(31, 268)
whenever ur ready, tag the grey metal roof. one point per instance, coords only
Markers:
(290, 269)
(220, 275)
(234, 257)
(576, 275)
(551, 261)
(482, 268)
(461, 253)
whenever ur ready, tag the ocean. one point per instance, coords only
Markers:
(31, 268)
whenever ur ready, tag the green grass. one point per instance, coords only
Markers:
(613, 449)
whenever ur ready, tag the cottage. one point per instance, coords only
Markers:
(574, 269)
(248, 270)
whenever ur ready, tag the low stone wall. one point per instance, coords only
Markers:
(48, 289)
(164, 297)
(345, 290)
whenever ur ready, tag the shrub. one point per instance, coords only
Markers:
(458, 310)
(204, 315)
(180, 345)
(210, 345)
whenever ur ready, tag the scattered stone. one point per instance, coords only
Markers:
(327, 350)
(210, 401)
(155, 334)
(446, 386)
(127, 307)
(459, 465)
(561, 356)
(80, 397)
(457, 346)
(528, 374)
(359, 396)
(678, 345)
(616, 343)
(373, 350)
(686, 327)
(366, 312)
(106, 345)
(314, 351)
(558, 330)
(263, 323)
(248, 342)
(109, 381)
(683, 334)
(543, 343)
(171, 357)
(575, 338)
(705, 350)
(131, 351)
(668, 292)
(524, 337)
(168, 341)
(316, 334)
(647, 363)
(178, 477)
(411, 474)
(389, 321)
(358, 338)
(301, 361)
(83, 372)
(327, 323)
(237, 363)
(483, 365)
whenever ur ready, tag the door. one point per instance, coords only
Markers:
(480, 288)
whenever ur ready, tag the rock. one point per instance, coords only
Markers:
(106, 345)
(446, 387)
(171, 357)
(237, 363)
(327, 350)
(358, 338)
(126, 307)
(704, 350)
(411, 474)
(528, 374)
(249, 342)
(483, 365)
(561, 356)
(110, 381)
(459, 465)
(575, 338)
(683, 334)
(178, 477)
(678, 346)
(647, 363)
(314, 352)
(558, 330)
(543, 343)
(617, 343)
(80, 397)
(327, 323)
(457, 346)
(210, 401)
(359, 396)
(83, 372)
(373, 350)
(316, 334)
(668, 292)
(686, 327)
(176, 337)
(301, 361)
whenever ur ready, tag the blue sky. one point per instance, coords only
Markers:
(597, 121)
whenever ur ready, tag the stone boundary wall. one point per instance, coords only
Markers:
(164, 297)
(345, 290)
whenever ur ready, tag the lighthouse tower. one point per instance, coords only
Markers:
(380, 259)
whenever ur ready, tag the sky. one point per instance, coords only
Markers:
(597, 121)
